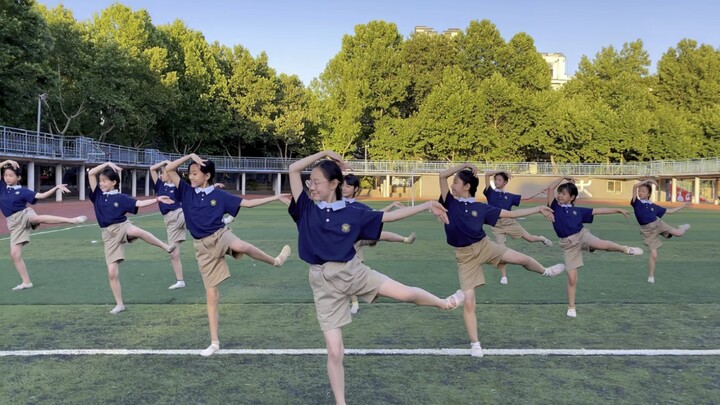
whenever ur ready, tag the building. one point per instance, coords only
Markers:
(556, 63)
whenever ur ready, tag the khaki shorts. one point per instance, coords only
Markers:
(573, 246)
(19, 226)
(651, 233)
(210, 253)
(507, 227)
(115, 237)
(470, 260)
(175, 225)
(334, 282)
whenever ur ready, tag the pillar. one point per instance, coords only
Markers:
(388, 186)
(58, 181)
(147, 183)
(133, 177)
(31, 176)
(673, 190)
(242, 190)
(278, 183)
(237, 181)
(696, 191)
(81, 183)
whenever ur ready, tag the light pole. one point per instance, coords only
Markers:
(41, 98)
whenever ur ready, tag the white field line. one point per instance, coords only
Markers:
(72, 227)
(369, 352)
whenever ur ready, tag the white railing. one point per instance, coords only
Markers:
(20, 143)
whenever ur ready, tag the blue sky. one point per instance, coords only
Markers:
(300, 37)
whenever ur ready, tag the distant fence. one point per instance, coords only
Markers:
(21, 143)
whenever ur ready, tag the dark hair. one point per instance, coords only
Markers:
(111, 175)
(17, 171)
(503, 175)
(331, 170)
(353, 181)
(468, 177)
(209, 168)
(646, 185)
(571, 188)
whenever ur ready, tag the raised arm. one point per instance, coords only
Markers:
(10, 162)
(172, 167)
(260, 201)
(435, 208)
(93, 173)
(150, 201)
(154, 169)
(394, 204)
(676, 209)
(61, 187)
(445, 175)
(540, 209)
(608, 211)
(550, 190)
(295, 169)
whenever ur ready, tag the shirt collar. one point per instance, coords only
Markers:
(646, 201)
(169, 185)
(206, 190)
(335, 206)
(114, 191)
(565, 205)
(15, 187)
(349, 200)
(467, 200)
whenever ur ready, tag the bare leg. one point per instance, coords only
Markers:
(52, 219)
(16, 255)
(572, 278)
(515, 257)
(176, 263)
(212, 295)
(500, 240)
(535, 238)
(469, 315)
(608, 246)
(114, 277)
(135, 232)
(335, 369)
(243, 247)
(651, 266)
(398, 291)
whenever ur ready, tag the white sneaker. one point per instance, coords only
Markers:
(633, 251)
(117, 309)
(178, 284)
(546, 241)
(458, 298)
(228, 219)
(651, 280)
(503, 281)
(284, 254)
(22, 286)
(409, 239)
(212, 349)
(80, 220)
(554, 270)
(571, 313)
(684, 227)
(476, 350)
(171, 248)
(354, 308)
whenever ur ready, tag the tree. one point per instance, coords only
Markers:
(25, 40)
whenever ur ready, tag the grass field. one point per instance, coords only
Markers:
(267, 308)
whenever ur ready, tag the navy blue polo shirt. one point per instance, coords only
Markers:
(501, 199)
(357, 205)
(467, 220)
(167, 189)
(328, 235)
(204, 211)
(647, 213)
(569, 220)
(111, 208)
(14, 199)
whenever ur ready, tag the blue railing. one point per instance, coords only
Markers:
(20, 143)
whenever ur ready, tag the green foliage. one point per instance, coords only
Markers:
(471, 96)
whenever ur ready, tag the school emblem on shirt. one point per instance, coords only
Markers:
(213, 203)
(574, 212)
(506, 197)
(345, 228)
(115, 204)
(473, 213)
(652, 209)
(17, 193)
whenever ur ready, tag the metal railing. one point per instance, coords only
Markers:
(20, 143)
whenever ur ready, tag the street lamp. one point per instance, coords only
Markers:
(41, 98)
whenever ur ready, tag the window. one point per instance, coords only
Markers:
(614, 186)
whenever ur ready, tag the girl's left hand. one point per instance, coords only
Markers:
(165, 199)
(439, 211)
